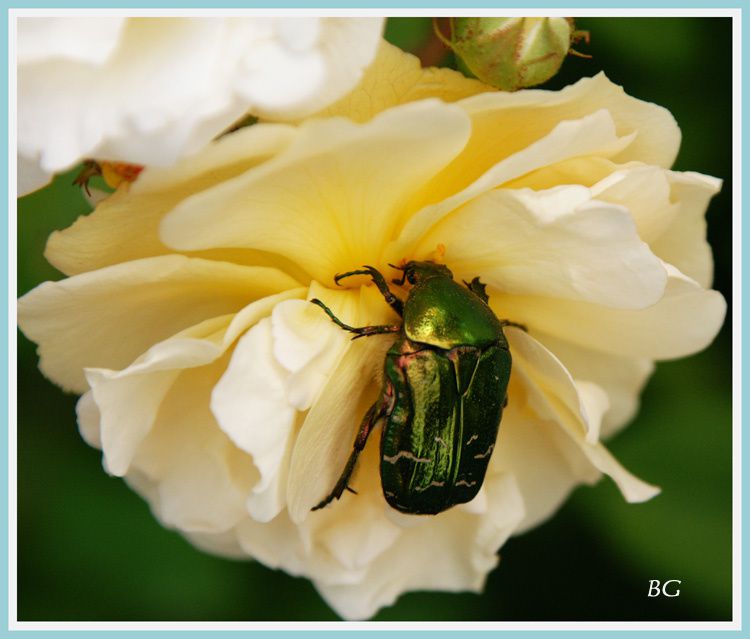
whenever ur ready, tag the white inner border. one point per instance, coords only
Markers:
(735, 624)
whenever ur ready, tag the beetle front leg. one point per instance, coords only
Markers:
(376, 411)
(515, 325)
(362, 331)
(377, 278)
(479, 289)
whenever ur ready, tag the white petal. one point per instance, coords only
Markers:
(150, 90)
(85, 39)
(307, 63)
(30, 176)
(557, 243)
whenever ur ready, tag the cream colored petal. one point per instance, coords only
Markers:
(356, 531)
(278, 543)
(278, 365)
(326, 438)
(201, 478)
(106, 318)
(545, 376)
(552, 395)
(314, 547)
(242, 403)
(250, 315)
(621, 377)
(505, 125)
(669, 210)
(223, 544)
(596, 403)
(558, 464)
(125, 226)
(396, 77)
(684, 321)
(268, 499)
(556, 243)
(332, 200)
(308, 345)
(634, 490)
(583, 171)
(325, 441)
(250, 405)
(517, 118)
(89, 418)
(453, 552)
(593, 134)
(684, 243)
(128, 400)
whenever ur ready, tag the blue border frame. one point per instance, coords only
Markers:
(450, 630)
(377, 4)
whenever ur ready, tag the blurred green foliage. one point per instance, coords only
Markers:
(88, 548)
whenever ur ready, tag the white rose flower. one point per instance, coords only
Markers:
(150, 90)
(231, 404)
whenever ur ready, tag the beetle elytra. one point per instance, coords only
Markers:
(445, 385)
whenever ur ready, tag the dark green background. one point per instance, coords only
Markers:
(88, 548)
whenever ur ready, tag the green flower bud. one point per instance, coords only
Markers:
(513, 53)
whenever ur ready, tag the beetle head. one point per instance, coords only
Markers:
(416, 272)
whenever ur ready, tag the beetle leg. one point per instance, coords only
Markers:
(515, 324)
(377, 278)
(361, 331)
(376, 411)
(478, 288)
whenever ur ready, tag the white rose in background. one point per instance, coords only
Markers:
(150, 90)
(231, 404)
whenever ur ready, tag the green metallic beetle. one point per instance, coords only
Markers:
(445, 386)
